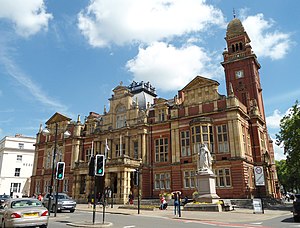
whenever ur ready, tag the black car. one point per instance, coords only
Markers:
(296, 208)
(3, 198)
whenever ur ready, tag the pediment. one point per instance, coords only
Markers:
(199, 82)
(57, 117)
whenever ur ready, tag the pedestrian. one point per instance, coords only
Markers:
(163, 203)
(130, 198)
(40, 197)
(176, 202)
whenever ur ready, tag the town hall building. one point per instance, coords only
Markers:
(161, 137)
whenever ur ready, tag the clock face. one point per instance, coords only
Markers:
(239, 74)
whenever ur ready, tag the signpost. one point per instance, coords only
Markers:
(258, 205)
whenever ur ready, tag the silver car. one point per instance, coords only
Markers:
(23, 212)
(64, 202)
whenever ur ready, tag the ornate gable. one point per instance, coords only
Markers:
(58, 117)
(200, 90)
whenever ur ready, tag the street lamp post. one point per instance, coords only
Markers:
(53, 167)
(47, 132)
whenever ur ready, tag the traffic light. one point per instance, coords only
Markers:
(136, 177)
(100, 164)
(60, 170)
(92, 166)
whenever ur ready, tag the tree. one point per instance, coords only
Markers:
(289, 137)
(284, 176)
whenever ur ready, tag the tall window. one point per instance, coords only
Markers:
(46, 185)
(161, 150)
(262, 141)
(120, 116)
(189, 179)
(17, 172)
(222, 133)
(48, 159)
(135, 150)
(161, 115)
(162, 181)
(38, 187)
(15, 187)
(185, 143)
(82, 180)
(88, 154)
(119, 150)
(223, 177)
(66, 185)
(19, 158)
(202, 134)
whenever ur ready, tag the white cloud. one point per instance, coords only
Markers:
(278, 151)
(170, 67)
(29, 17)
(273, 121)
(117, 21)
(265, 43)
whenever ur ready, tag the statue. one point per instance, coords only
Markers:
(205, 159)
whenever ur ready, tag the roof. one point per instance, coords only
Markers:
(235, 28)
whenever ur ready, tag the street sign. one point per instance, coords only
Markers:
(259, 176)
(257, 206)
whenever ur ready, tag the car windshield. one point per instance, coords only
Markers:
(4, 196)
(25, 203)
(63, 197)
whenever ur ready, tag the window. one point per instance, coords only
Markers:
(262, 141)
(21, 146)
(66, 185)
(19, 158)
(120, 151)
(222, 133)
(161, 150)
(120, 116)
(202, 134)
(162, 181)
(135, 150)
(48, 160)
(88, 154)
(161, 115)
(82, 180)
(223, 177)
(38, 187)
(189, 179)
(17, 172)
(15, 187)
(46, 185)
(185, 143)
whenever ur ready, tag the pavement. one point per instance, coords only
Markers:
(237, 215)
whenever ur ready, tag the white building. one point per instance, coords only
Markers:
(16, 164)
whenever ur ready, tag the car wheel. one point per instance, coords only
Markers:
(72, 210)
(296, 219)
(44, 226)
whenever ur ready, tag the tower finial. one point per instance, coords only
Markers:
(234, 13)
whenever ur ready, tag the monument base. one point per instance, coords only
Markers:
(214, 207)
(206, 188)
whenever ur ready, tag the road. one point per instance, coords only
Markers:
(135, 221)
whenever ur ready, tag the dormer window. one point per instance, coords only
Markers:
(161, 115)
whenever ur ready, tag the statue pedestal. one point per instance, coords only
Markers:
(206, 187)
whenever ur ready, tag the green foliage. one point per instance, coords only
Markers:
(289, 136)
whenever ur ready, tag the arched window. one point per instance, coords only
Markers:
(237, 47)
(232, 47)
(241, 46)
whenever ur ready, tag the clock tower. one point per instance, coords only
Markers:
(242, 68)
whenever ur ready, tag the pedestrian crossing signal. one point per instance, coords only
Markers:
(100, 164)
(60, 170)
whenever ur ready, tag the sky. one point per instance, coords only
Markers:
(67, 56)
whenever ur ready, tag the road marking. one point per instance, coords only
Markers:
(128, 226)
